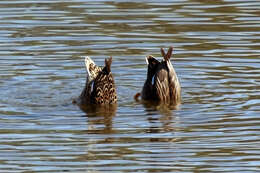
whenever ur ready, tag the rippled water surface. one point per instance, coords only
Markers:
(217, 58)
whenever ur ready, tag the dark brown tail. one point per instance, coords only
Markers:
(136, 96)
(108, 62)
(168, 55)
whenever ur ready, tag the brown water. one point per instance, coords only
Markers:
(216, 55)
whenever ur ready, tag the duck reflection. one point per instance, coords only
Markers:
(160, 117)
(100, 115)
(99, 122)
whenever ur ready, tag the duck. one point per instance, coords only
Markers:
(162, 84)
(100, 86)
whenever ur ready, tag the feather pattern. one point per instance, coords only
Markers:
(92, 69)
(162, 84)
(100, 86)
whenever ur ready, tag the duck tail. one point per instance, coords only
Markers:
(136, 96)
(167, 56)
(108, 62)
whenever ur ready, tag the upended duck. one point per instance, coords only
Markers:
(100, 86)
(162, 84)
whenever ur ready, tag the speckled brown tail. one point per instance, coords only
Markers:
(100, 86)
(108, 62)
(104, 91)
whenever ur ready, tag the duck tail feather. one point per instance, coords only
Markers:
(108, 62)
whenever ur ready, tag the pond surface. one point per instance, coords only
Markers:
(216, 56)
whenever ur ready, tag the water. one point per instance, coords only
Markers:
(217, 58)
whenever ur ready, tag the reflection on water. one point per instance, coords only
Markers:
(216, 55)
(100, 115)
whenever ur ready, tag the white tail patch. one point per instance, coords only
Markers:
(87, 64)
(91, 69)
(146, 59)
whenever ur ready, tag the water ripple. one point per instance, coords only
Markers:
(216, 56)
